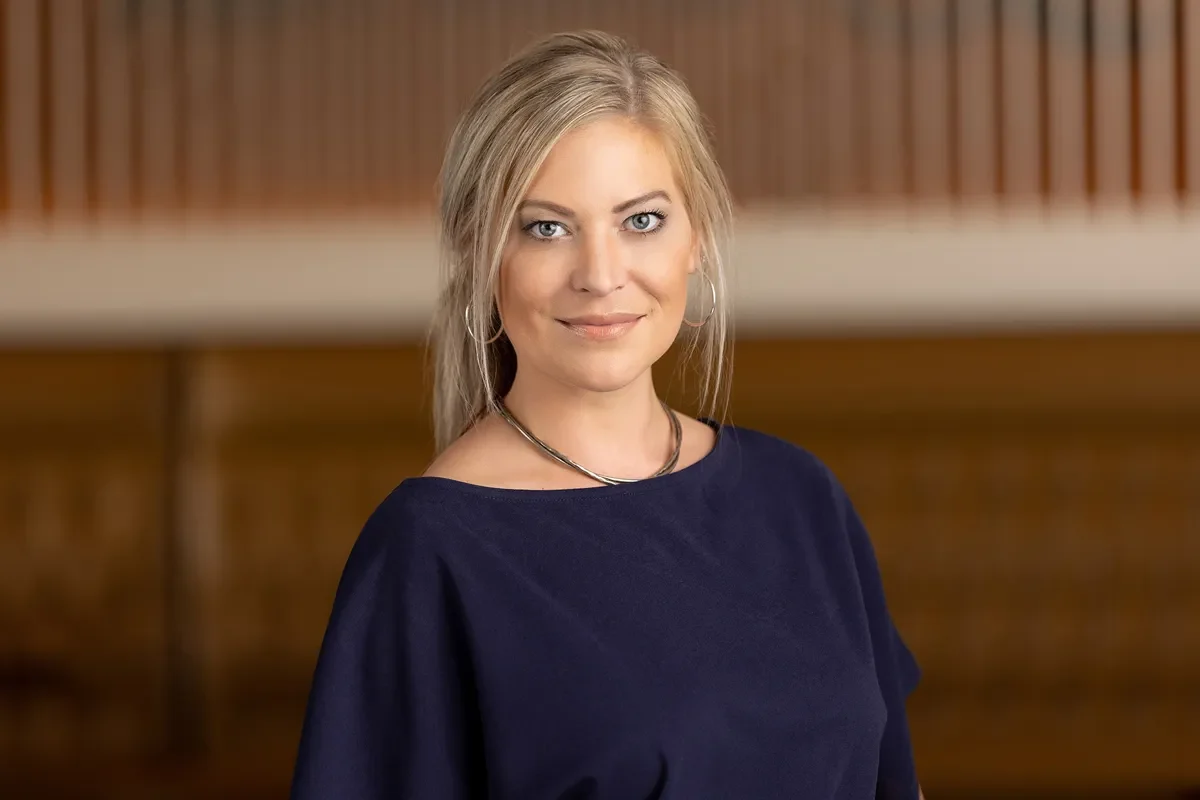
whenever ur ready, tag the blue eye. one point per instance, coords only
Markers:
(545, 229)
(646, 221)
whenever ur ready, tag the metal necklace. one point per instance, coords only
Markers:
(676, 431)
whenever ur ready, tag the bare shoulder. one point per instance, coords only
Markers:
(484, 456)
(463, 457)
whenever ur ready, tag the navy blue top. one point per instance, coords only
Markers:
(719, 632)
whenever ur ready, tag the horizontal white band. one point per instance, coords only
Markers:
(791, 272)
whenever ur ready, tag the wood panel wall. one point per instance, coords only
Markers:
(135, 108)
(83, 654)
(173, 524)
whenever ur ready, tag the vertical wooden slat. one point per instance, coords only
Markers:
(270, 135)
(4, 70)
(23, 78)
(312, 103)
(1111, 82)
(672, 31)
(247, 109)
(1021, 134)
(202, 89)
(1191, 97)
(883, 54)
(335, 104)
(357, 119)
(783, 23)
(382, 128)
(294, 64)
(747, 163)
(647, 31)
(378, 112)
(160, 179)
(841, 101)
(976, 101)
(46, 106)
(930, 98)
(722, 107)
(716, 43)
(68, 96)
(367, 114)
(420, 155)
(1067, 101)
(91, 107)
(670, 16)
(114, 154)
(754, 98)
(1156, 95)
(451, 96)
(795, 119)
(401, 101)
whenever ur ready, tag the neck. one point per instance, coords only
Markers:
(624, 433)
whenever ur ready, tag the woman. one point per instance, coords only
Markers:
(588, 594)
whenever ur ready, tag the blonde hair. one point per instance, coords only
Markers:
(496, 149)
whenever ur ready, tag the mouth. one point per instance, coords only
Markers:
(601, 327)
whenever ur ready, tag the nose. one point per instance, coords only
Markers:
(600, 267)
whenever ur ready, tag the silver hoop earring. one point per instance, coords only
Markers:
(471, 330)
(712, 287)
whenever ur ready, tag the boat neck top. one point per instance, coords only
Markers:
(717, 632)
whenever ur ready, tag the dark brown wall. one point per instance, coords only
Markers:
(173, 525)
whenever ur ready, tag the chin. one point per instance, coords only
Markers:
(606, 373)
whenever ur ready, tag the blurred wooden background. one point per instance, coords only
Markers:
(119, 108)
(173, 526)
(174, 515)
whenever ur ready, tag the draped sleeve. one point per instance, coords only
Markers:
(390, 710)
(895, 666)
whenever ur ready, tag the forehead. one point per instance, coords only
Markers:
(603, 163)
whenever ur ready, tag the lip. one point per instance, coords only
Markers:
(601, 327)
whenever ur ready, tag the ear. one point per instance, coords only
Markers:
(697, 255)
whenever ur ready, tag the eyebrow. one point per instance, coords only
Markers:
(617, 209)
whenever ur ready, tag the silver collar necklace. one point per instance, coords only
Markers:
(676, 430)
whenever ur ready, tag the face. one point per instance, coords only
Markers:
(593, 282)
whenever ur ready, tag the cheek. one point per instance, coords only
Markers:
(670, 284)
(527, 285)
(673, 262)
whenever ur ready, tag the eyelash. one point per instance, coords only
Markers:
(661, 215)
(662, 220)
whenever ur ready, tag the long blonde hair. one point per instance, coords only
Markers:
(496, 149)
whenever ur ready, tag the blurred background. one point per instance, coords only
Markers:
(963, 276)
